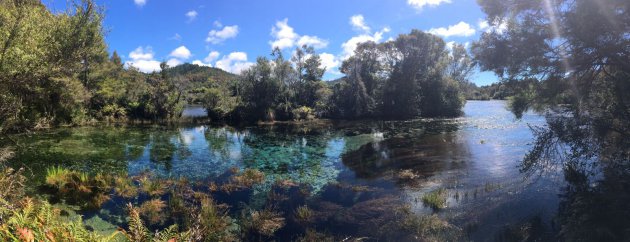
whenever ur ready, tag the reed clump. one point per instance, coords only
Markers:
(79, 187)
(436, 199)
(304, 214)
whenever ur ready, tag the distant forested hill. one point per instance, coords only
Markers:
(196, 79)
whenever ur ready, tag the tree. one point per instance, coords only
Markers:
(460, 64)
(45, 61)
(418, 55)
(571, 59)
(570, 47)
(260, 89)
(354, 100)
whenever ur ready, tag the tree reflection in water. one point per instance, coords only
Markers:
(594, 156)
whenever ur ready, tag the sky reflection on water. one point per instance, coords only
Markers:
(475, 157)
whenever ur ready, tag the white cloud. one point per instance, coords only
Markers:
(200, 63)
(174, 62)
(235, 62)
(462, 29)
(181, 52)
(146, 66)
(313, 41)
(358, 22)
(142, 58)
(350, 45)
(217, 24)
(191, 15)
(140, 3)
(141, 53)
(498, 27)
(330, 62)
(212, 56)
(285, 37)
(419, 4)
(284, 34)
(218, 36)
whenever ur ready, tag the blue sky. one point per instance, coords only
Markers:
(231, 34)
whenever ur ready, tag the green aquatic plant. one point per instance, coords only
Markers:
(154, 188)
(248, 178)
(212, 223)
(57, 176)
(138, 232)
(124, 187)
(79, 187)
(435, 199)
(304, 214)
(245, 179)
(431, 228)
(153, 211)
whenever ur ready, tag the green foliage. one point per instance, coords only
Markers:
(44, 60)
(138, 232)
(27, 219)
(436, 199)
(591, 67)
(38, 221)
(219, 102)
(409, 77)
(303, 113)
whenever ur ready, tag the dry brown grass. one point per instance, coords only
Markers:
(265, 222)
(407, 174)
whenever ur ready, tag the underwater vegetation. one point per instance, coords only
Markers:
(27, 219)
(265, 222)
(243, 180)
(124, 187)
(431, 228)
(159, 209)
(436, 199)
(79, 187)
(303, 214)
(153, 211)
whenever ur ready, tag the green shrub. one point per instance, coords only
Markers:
(303, 113)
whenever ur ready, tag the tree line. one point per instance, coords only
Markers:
(414, 75)
(55, 70)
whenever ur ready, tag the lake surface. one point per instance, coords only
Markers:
(345, 165)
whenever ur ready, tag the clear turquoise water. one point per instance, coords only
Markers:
(475, 157)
